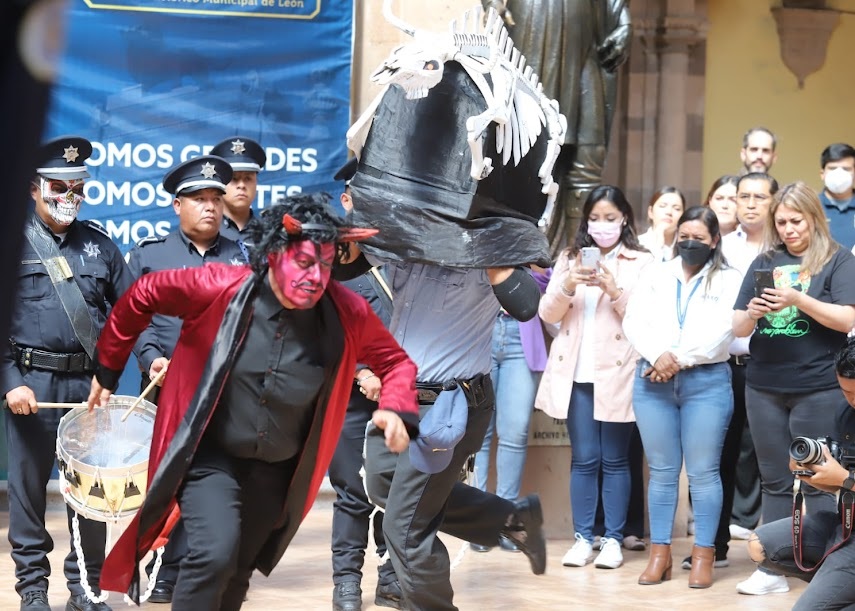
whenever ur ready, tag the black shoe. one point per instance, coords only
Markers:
(80, 602)
(720, 562)
(347, 596)
(162, 592)
(480, 548)
(35, 600)
(507, 545)
(389, 595)
(527, 532)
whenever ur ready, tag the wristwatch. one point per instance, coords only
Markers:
(849, 482)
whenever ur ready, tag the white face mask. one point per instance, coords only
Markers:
(838, 180)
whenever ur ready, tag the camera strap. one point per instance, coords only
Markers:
(847, 504)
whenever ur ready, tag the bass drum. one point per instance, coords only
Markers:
(103, 462)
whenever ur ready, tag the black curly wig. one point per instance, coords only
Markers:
(268, 235)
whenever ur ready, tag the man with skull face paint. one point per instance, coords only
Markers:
(255, 399)
(47, 361)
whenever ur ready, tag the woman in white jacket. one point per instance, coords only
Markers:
(679, 320)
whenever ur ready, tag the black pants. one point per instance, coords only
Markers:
(230, 507)
(418, 505)
(31, 443)
(746, 500)
(731, 457)
(352, 510)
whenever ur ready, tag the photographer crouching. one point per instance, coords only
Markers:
(817, 546)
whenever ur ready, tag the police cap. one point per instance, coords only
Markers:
(245, 154)
(205, 172)
(62, 158)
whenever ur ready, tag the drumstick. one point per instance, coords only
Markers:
(144, 394)
(59, 405)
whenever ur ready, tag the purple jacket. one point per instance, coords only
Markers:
(531, 331)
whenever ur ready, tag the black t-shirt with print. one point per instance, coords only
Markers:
(790, 351)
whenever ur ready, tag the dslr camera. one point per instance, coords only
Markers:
(807, 451)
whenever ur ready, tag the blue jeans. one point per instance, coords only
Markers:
(684, 417)
(597, 444)
(515, 386)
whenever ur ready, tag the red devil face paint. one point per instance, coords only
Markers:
(302, 272)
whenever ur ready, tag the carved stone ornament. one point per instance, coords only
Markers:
(804, 36)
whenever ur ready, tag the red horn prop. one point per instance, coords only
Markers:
(356, 234)
(292, 226)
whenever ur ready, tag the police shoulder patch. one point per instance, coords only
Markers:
(99, 228)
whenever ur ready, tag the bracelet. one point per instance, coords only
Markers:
(619, 293)
(567, 293)
(359, 381)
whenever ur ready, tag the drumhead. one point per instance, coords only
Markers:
(99, 439)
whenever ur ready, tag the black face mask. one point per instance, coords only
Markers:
(693, 252)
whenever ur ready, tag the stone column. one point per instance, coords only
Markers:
(660, 137)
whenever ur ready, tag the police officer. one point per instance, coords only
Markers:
(198, 186)
(66, 266)
(247, 159)
(352, 510)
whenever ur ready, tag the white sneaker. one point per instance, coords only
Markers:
(737, 532)
(580, 554)
(610, 556)
(761, 583)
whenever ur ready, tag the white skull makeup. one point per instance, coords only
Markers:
(63, 198)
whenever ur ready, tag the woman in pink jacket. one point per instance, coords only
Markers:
(588, 376)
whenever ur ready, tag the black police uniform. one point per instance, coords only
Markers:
(174, 251)
(244, 155)
(229, 229)
(57, 370)
(352, 509)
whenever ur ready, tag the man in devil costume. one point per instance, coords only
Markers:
(254, 401)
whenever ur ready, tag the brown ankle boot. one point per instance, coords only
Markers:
(702, 567)
(658, 566)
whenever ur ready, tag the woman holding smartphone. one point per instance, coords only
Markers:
(590, 366)
(798, 325)
(678, 319)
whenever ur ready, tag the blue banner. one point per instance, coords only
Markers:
(154, 82)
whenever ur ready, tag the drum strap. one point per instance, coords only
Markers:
(381, 288)
(65, 285)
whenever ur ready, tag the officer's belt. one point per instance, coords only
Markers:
(473, 389)
(33, 358)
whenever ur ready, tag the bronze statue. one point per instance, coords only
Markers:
(576, 47)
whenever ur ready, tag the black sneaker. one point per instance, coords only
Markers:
(35, 600)
(389, 595)
(347, 596)
(81, 602)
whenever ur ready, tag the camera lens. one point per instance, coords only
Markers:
(806, 451)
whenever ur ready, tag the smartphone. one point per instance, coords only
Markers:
(803, 472)
(763, 279)
(590, 257)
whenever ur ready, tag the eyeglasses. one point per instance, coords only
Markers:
(757, 197)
